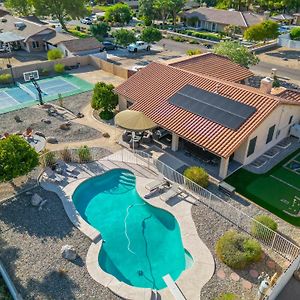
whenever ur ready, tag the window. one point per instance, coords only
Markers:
(291, 119)
(251, 146)
(270, 134)
(35, 45)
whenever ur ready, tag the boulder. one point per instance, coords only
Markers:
(297, 275)
(52, 140)
(46, 121)
(39, 134)
(17, 119)
(68, 252)
(36, 199)
(64, 126)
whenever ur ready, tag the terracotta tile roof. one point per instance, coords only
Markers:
(290, 95)
(151, 88)
(213, 65)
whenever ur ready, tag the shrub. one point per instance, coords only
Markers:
(193, 42)
(238, 250)
(259, 230)
(191, 52)
(78, 34)
(84, 154)
(66, 155)
(197, 175)
(54, 54)
(48, 158)
(77, 27)
(17, 157)
(227, 296)
(59, 68)
(106, 115)
(295, 33)
(5, 78)
(44, 72)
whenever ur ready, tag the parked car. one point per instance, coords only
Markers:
(109, 46)
(138, 46)
(86, 21)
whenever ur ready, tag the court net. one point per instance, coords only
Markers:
(27, 90)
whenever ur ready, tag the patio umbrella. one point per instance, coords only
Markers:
(134, 120)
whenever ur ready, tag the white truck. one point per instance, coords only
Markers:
(138, 46)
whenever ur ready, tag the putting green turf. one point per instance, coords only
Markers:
(275, 190)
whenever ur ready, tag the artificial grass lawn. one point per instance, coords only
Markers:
(270, 193)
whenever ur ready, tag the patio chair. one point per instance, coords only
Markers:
(49, 174)
(66, 167)
(171, 193)
(155, 184)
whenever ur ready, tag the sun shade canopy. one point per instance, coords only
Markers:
(212, 106)
(134, 120)
(9, 37)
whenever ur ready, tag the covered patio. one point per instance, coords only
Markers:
(10, 41)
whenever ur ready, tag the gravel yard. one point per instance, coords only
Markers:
(30, 244)
(210, 227)
(33, 116)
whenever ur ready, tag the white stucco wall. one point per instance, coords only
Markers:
(280, 118)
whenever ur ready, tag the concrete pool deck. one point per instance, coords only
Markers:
(190, 281)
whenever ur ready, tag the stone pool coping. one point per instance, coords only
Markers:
(190, 281)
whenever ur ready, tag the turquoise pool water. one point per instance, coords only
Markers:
(142, 242)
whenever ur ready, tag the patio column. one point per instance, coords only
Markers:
(175, 141)
(223, 167)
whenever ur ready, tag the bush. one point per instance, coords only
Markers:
(259, 230)
(54, 54)
(17, 157)
(197, 175)
(78, 34)
(191, 52)
(237, 250)
(194, 42)
(106, 115)
(59, 68)
(84, 154)
(48, 158)
(44, 72)
(295, 33)
(227, 296)
(66, 155)
(5, 78)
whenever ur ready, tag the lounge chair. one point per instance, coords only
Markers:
(155, 184)
(49, 174)
(66, 167)
(171, 193)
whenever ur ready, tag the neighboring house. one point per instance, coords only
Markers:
(29, 34)
(235, 122)
(213, 65)
(76, 47)
(213, 19)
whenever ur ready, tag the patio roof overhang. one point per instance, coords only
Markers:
(10, 37)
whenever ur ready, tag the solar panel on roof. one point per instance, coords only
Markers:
(212, 106)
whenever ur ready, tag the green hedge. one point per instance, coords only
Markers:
(295, 33)
(238, 250)
(203, 35)
(79, 34)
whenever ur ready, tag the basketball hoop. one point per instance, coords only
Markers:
(28, 76)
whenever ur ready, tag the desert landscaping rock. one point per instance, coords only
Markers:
(68, 252)
(52, 140)
(36, 199)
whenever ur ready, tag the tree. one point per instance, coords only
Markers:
(124, 37)
(147, 11)
(21, 7)
(163, 9)
(17, 158)
(175, 7)
(151, 35)
(60, 9)
(100, 30)
(118, 13)
(54, 54)
(262, 31)
(237, 53)
(105, 99)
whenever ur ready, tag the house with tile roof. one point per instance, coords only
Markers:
(234, 122)
(212, 19)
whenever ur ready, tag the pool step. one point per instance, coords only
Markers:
(127, 180)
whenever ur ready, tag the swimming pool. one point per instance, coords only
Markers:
(142, 242)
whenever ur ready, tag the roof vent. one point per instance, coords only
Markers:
(20, 25)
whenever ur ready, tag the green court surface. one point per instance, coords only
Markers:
(25, 94)
(277, 190)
